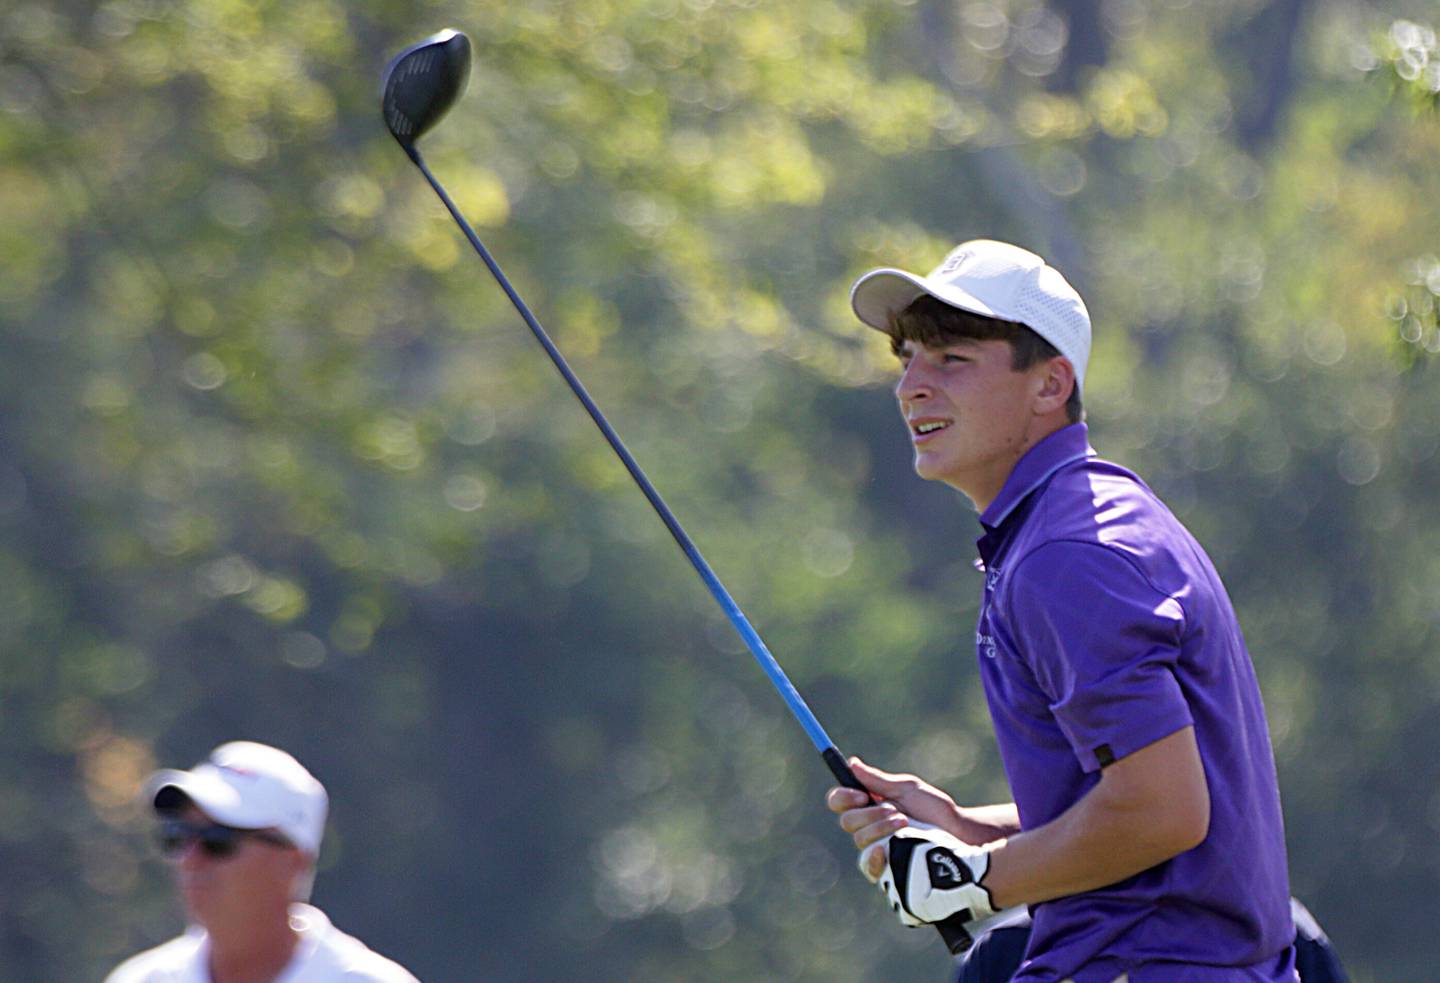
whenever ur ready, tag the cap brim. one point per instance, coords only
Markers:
(881, 294)
(210, 794)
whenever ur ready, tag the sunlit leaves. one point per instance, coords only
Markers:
(1410, 56)
(1124, 105)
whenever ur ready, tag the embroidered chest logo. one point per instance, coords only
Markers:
(984, 640)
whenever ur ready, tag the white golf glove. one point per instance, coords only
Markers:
(930, 875)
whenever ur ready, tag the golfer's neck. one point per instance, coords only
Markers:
(256, 952)
(985, 483)
(982, 485)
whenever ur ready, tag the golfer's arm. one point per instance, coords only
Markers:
(985, 824)
(1148, 807)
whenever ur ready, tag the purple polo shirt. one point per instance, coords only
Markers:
(1103, 628)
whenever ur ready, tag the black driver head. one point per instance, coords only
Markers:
(422, 82)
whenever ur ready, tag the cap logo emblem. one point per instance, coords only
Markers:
(954, 262)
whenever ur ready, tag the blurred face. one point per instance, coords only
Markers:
(255, 875)
(971, 415)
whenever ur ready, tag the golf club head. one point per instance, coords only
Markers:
(422, 82)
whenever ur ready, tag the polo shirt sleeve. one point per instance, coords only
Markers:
(1102, 643)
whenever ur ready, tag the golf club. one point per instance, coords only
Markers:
(419, 85)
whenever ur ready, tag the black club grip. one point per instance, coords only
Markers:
(952, 930)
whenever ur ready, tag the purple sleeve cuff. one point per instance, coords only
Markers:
(1104, 727)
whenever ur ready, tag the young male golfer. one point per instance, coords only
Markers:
(1145, 831)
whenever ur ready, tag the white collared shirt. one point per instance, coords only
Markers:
(324, 955)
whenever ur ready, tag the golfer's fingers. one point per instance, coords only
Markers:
(853, 819)
(884, 784)
(866, 826)
(872, 861)
(844, 799)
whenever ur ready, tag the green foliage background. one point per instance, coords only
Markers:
(278, 461)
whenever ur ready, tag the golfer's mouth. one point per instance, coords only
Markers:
(924, 429)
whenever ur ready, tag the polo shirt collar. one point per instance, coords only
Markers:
(1065, 446)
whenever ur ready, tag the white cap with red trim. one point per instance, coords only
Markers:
(248, 786)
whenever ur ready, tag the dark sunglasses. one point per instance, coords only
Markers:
(214, 840)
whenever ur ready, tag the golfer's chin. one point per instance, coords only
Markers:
(196, 901)
(930, 466)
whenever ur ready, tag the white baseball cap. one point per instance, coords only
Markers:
(993, 279)
(248, 786)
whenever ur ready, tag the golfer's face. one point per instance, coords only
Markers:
(968, 412)
(253, 876)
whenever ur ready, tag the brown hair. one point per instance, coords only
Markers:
(934, 323)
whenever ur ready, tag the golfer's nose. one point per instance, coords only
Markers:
(914, 382)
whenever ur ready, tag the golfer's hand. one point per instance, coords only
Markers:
(931, 876)
(898, 800)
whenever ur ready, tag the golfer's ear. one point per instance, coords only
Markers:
(1056, 383)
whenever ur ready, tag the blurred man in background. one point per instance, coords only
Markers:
(243, 831)
(1145, 830)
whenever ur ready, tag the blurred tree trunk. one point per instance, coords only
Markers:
(1267, 43)
(1086, 46)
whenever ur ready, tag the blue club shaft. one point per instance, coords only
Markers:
(742, 626)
